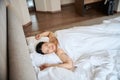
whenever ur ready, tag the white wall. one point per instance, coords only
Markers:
(48, 5)
(118, 9)
(41, 5)
(22, 10)
(53, 5)
(117, 5)
(67, 1)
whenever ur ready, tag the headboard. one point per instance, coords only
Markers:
(20, 65)
(3, 41)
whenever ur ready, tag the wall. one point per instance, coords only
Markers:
(53, 5)
(41, 5)
(48, 5)
(3, 35)
(117, 5)
(67, 1)
(22, 10)
(118, 9)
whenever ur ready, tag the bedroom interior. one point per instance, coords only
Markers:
(15, 62)
(66, 16)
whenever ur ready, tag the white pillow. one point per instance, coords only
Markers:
(39, 59)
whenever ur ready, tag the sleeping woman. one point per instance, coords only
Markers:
(70, 44)
(50, 47)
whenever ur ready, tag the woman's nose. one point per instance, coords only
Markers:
(49, 47)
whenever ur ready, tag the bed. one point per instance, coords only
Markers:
(95, 51)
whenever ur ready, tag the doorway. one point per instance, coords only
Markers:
(31, 5)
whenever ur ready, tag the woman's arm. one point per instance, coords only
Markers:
(49, 34)
(67, 62)
(43, 34)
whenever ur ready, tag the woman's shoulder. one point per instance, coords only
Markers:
(59, 50)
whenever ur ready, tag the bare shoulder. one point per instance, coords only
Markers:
(59, 51)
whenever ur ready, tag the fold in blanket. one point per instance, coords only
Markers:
(77, 41)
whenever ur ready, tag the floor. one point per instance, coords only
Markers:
(50, 21)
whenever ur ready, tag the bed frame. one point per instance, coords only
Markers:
(15, 62)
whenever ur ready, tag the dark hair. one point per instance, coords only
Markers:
(38, 47)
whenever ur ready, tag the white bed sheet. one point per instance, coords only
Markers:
(99, 65)
(80, 40)
(94, 49)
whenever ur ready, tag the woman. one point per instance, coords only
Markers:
(77, 41)
(50, 47)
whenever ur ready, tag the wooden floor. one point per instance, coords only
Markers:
(50, 21)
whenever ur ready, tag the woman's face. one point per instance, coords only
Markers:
(48, 47)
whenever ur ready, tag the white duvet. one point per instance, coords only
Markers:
(95, 51)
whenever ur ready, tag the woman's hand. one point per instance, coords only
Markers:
(42, 67)
(43, 34)
(37, 37)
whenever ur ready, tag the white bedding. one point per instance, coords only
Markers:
(95, 51)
